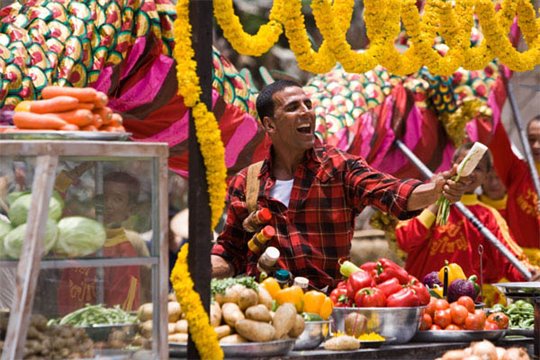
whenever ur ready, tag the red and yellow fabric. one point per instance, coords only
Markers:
(428, 245)
(521, 213)
(121, 284)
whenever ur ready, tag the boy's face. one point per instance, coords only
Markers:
(477, 176)
(493, 187)
(117, 202)
(533, 135)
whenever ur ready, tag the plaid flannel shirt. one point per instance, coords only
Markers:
(330, 188)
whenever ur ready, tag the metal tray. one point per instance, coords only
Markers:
(525, 289)
(522, 332)
(249, 349)
(64, 135)
(101, 332)
(376, 343)
(457, 335)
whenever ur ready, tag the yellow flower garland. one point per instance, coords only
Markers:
(203, 334)
(254, 45)
(207, 130)
(452, 22)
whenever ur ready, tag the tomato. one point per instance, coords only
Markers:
(499, 318)
(430, 308)
(490, 326)
(435, 327)
(453, 327)
(426, 323)
(481, 314)
(467, 302)
(459, 313)
(474, 322)
(441, 304)
(370, 297)
(443, 318)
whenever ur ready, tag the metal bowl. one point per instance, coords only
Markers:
(314, 334)
(399, 323)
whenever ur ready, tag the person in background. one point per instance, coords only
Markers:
(494, 193)
(127, 286)
(429, 245)
(522, 212)
(314, 192)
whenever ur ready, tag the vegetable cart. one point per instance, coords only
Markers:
(88, 263)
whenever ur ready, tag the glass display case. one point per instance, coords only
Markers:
(83, 244)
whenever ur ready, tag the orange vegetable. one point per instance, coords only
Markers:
(79, 117)
(70, 127)
(23, 106)
(101, 100)
(86, 105)
(293, 294)
(82, 94)
(57, 104)
(313, 300)
(105, 113)
(26, 120)
(116, 119)
(326, 308)
(272, 286)
(89, 128)
(97, 122)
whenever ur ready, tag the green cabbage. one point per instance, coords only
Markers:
(79, 236)
(4, 229)
(13, 241)
(18, 211)
(11, 197)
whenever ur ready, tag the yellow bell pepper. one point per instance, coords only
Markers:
(293, 294)
(272, 286)
(455, 272)
(326, 308)
(313, 300)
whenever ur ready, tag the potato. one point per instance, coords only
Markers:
(231, 314)
(355, 324)
(215, 314)
(284, 319)
(181, 326)
(255, 330)
(298, 328)
(178, 338)
(146, 329)
(232, 294)
(265, 298)
(222, 331)
(344, 342)
(171, 297)
(145, 312)
(232, 339)
(174, 311)
(247, 298)
(171, 327)
(258, 313)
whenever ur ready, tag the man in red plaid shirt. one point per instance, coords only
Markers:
(314, 192)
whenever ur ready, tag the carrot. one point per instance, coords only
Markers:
(26, 120)
(89, 128)
(98, 121)
(79, 117)
(116, 119)
(86, 94)
(57, 104)
(86, 105)
(101, 100)
(70, 127)
(23, 106)
(105, 113)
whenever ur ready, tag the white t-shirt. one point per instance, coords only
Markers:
(282, 191)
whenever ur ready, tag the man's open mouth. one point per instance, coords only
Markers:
(304, 129)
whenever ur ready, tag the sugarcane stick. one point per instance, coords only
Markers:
(468, 214)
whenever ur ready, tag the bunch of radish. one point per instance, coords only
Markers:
(68, 109)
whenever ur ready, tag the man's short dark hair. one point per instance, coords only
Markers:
(265, 103)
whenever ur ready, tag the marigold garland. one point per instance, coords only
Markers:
(451, 20)
(203, 334)
(207, 130)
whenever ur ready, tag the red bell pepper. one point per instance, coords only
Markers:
(403, 298)
(370, 297)
(390, 286)
(339, 297)
(420, 289)
(390, 269)
(358, 281)
(342, 284)
(372, 268)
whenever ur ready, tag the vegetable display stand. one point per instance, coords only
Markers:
(83, 244)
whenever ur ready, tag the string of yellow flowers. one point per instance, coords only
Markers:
(207, 130)
(452, 20)
(254, 45)
(203, 334)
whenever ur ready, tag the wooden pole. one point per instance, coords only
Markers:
(200, 13)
